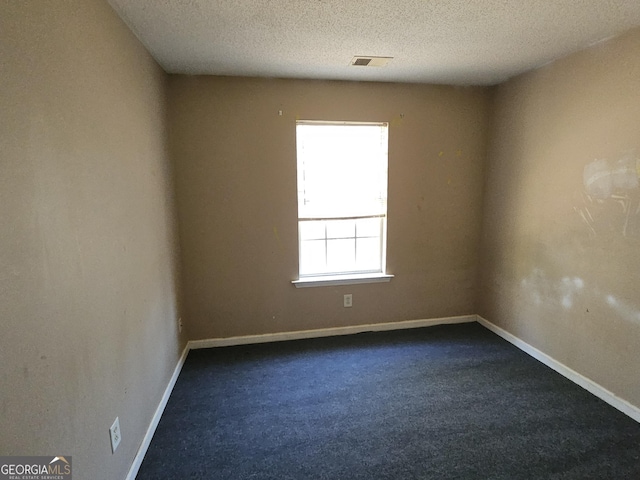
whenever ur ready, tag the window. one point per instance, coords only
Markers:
(342, 199)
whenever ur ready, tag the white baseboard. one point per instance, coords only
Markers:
(146, 441)
(326, 332)
(589, 385)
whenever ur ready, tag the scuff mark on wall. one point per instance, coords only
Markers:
(623, 308)
(611, 197)
(569, 287)
(542, 290)
(537, 286)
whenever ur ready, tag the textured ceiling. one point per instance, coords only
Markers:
(463, 42)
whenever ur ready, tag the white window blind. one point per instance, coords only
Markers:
(342, 169)
(342, 196)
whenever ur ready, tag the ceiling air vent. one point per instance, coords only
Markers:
(370, 61)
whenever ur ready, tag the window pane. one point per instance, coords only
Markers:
(369, 227)
(368, 254)
(312, 257)
(312, 230)
(341, 255)
(341, 228)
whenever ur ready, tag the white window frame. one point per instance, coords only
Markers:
(342, 277)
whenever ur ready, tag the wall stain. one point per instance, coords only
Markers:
(396, 121)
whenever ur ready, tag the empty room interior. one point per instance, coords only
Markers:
(150, 212)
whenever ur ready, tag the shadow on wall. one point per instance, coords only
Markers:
(611, 196)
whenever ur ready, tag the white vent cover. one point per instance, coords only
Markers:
(360, 61)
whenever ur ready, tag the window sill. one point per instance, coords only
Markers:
(330, 280)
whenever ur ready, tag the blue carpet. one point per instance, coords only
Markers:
(447, 402)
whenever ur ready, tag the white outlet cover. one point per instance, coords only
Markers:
(348, 300)
(114, 433)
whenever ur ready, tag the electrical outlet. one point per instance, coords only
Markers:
(348, 300)
(180, 325)
(114, 433)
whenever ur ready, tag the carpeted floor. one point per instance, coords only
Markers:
(446, 402)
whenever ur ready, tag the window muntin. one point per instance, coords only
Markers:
(342, 197)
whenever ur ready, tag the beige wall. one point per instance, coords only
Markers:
(88, 275)
(235, 166)
(89, 261)
(560, 270)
